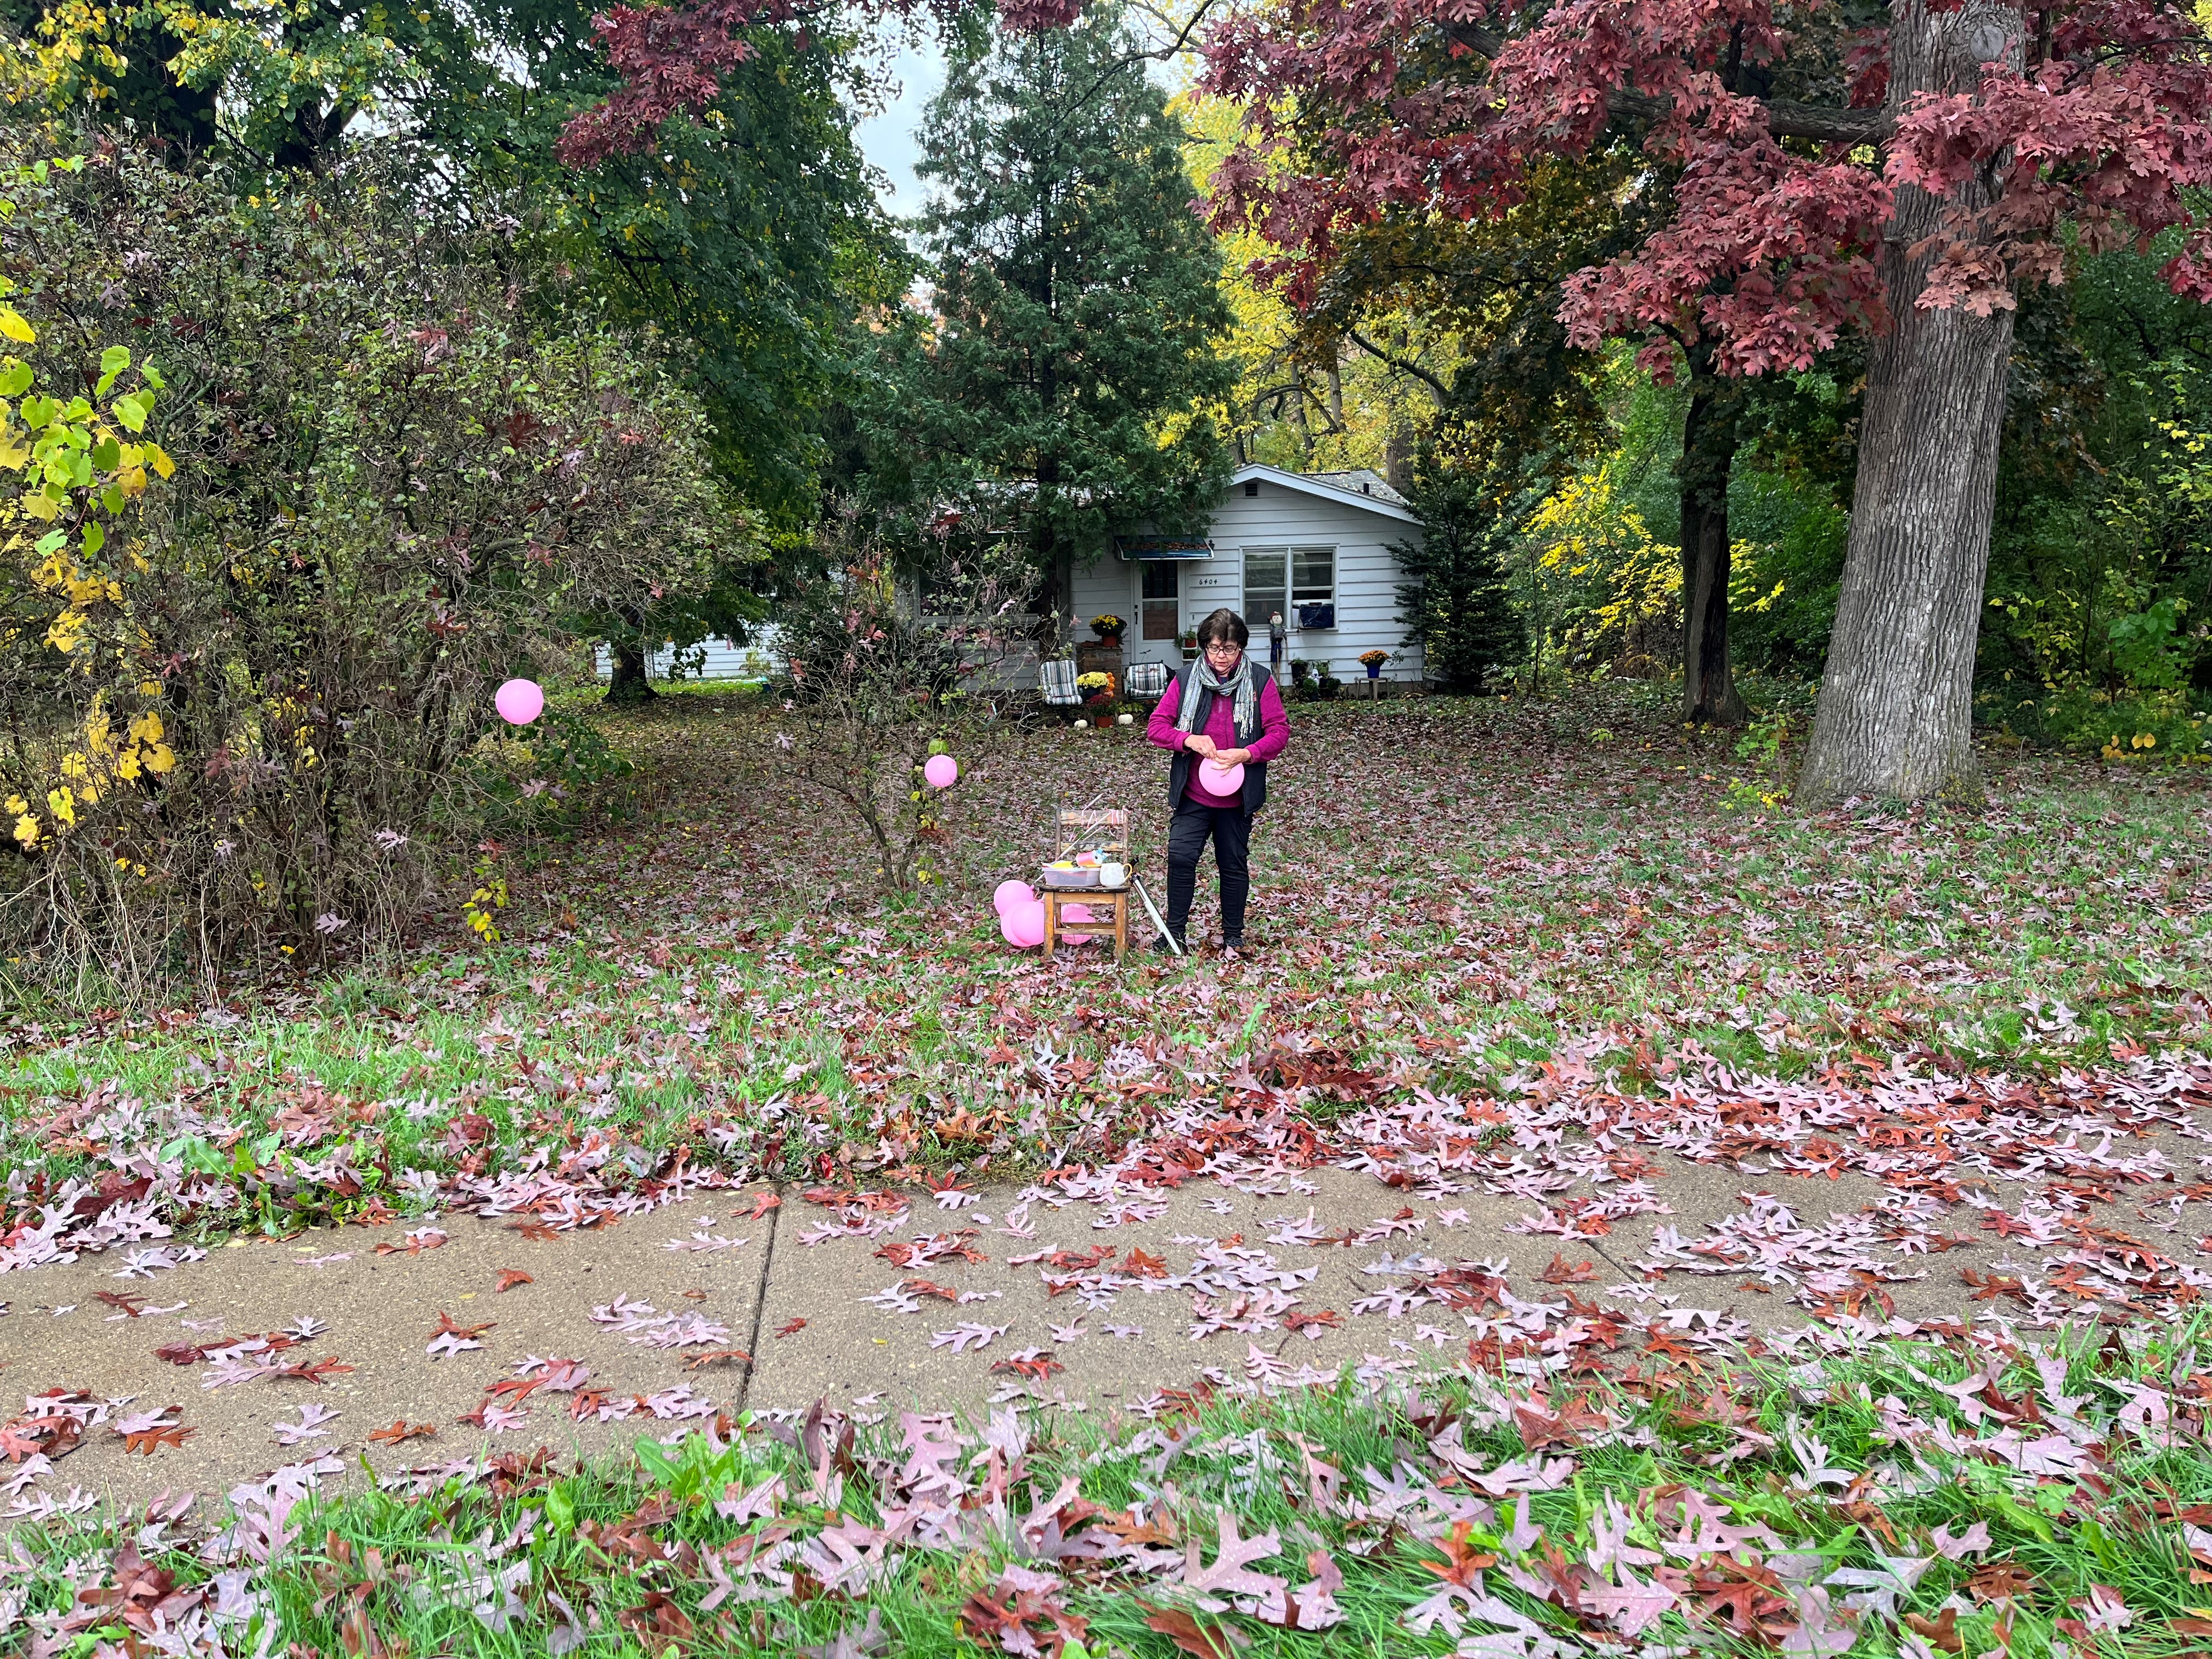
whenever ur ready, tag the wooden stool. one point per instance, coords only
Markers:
(1100, 901)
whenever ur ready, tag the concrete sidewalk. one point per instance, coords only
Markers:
(891, 1301)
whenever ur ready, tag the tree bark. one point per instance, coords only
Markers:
(1709, 445)
(627, 684)
(1895, 718)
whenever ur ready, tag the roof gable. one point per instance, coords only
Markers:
(1322, 489)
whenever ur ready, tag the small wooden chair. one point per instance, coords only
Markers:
(1106, 828)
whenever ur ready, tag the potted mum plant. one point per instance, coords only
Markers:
(1109, 628)
(1189, 644)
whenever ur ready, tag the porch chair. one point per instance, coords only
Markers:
(1146, 679)
(1056, 680)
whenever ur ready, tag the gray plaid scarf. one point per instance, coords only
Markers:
(1201, 677)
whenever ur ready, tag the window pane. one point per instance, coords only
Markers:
(1162, 579)
(1264, 568)
(1314, 573)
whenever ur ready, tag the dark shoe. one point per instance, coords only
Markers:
(1165, 946)
(1232, 950)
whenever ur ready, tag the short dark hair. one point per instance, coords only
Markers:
(1224, 624)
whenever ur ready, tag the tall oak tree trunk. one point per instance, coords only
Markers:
(1709, 443)
(1895, 714)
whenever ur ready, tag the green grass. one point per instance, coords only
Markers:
(621, 1542)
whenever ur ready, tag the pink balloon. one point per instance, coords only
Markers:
(1023, 925)
(1076, 913)
(519, 701)
(940, 771)
(1219, 780)
(1011, 893)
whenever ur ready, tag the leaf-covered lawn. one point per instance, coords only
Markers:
(1446, 891)
(1969, 1498)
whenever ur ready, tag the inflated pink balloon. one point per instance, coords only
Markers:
(1076, 913)
(1219, 780)
(1023, 925)
(1011, 893)
(940, 771)
(519, 701)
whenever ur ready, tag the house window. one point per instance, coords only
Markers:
(1287, 578)
(1163, 598)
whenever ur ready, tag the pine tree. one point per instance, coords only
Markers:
(1456, 600)
(1066, 375)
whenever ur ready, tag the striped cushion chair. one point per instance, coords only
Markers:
(1147, 679)
(1056, 679)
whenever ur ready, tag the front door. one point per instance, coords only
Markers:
(1161, 596)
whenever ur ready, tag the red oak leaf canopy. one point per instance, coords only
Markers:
(1771, 124)
(672, 57)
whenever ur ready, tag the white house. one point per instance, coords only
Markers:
(1315, 546)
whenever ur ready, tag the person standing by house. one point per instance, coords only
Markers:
(1224, 708)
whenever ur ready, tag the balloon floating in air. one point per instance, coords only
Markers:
(519, 701)
(940, 771)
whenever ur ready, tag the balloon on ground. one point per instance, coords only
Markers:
(519, 701)
(1011, 893)
(941, 771)
(1023, 925)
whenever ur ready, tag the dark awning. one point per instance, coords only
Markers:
(1163, 547)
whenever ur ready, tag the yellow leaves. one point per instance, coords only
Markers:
(66, 632)
(62, 802)
(147, 728)
(13, 325)
(158, 758)
(27, 831)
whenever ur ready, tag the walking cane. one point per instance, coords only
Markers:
(1151, 910)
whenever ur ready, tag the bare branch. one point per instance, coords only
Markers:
(1401, 364)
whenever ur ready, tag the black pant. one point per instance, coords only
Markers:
(1188, 831)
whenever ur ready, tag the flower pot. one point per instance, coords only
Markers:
(1373, 670)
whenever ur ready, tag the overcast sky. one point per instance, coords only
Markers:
(888, 140)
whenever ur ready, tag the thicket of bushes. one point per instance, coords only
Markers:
(245, 699)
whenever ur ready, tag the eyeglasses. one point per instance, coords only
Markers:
(1224, 650)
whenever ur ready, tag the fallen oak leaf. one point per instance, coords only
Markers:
(535, 1230)
(1033, 1364)
(1563, 1272)
(1942, 1632)
(146, 1441)
(792, 1328)
(509, 1278)
(322, 1371)
(1200, 1642)
(762, 1205)
(737, 1355)
(402, 1429)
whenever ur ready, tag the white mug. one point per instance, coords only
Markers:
(1112, 875)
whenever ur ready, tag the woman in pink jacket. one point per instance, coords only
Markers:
(1223, 706)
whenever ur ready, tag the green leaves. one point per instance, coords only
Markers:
(112, 363)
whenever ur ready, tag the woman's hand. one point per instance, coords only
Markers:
(1225, 759)
(1199, 745)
